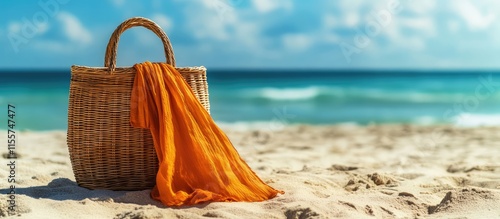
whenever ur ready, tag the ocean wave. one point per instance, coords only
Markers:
(352, 94)
(474, 120)
(425, 120)
(306, 93)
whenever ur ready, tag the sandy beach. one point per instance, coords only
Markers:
(343, 171)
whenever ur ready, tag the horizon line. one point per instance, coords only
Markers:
(428, 70)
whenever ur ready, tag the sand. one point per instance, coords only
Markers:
(344, 171)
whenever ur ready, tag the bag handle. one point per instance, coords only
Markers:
(111, 50)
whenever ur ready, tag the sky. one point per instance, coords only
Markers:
(283, 34)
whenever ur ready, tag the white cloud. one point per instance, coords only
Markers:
(414, 42)
(205, 26)
(453, 26)
(424, 7)
(410, 29)
(349, 5)
(351, 19)
(331, 38)
(422, 29)
(297, 42)
(43, 27)
(14, 27)
(118, 3)
(162, 20)
(231, 28)
(329, 21)
(473, 17)
(226, 28)
(75, 33)
(221, 6)
(425, 25)
(17, 27)
(73, 29)
(265, 6)
(213, 21)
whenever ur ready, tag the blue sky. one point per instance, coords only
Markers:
(347, 34)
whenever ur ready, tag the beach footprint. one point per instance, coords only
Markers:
(299, 212)
(19, 209)
(357, 182)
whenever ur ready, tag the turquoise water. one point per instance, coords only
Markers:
(288, 97)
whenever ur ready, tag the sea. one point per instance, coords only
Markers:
(273, 99)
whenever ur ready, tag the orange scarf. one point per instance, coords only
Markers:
(197, 162)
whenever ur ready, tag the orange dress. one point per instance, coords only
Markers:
(197, 162)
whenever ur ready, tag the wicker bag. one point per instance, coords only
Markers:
(106, 151)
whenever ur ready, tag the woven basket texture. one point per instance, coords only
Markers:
(106, 152)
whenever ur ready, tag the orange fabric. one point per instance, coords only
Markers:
(197, 162)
